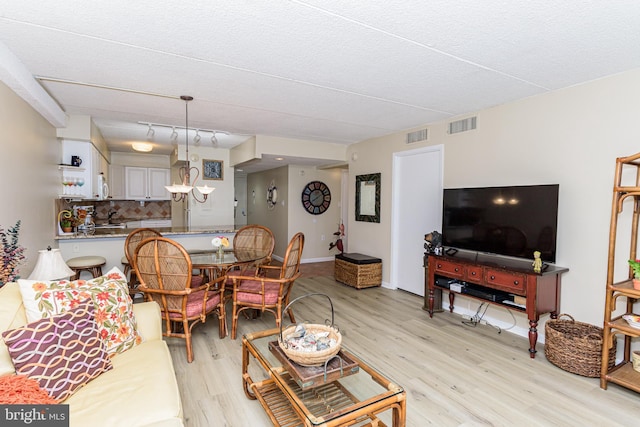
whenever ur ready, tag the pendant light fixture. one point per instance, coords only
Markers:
(180, 192)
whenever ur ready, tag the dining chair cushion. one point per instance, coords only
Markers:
(234, 273)
(271, 292)
(194, 305)
(196, 281)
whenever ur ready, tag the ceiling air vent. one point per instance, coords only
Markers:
(462, 125)
(419, 135)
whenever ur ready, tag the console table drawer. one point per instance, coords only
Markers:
(506, 281)
(451, 269)
(474, 274)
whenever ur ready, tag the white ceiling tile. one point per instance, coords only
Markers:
(324, 70)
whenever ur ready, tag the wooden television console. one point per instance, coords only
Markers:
(490, 276)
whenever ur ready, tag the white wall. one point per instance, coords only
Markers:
(288, 216)
(318, 229)
(277, 218)
(240, 195)
(570, 137)
(218, 209)
(29, 174)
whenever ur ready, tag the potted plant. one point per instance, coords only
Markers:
(635, 266)
(11, 254)
(66, 225)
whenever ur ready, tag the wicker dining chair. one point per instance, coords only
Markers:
(251, 237)
(267, 293)
(165, 272)
(130, 244)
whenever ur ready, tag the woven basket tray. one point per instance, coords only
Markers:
(576, 347)
(306, 358)
(315, 358)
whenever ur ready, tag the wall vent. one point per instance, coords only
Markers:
(419, 135)
(462, 125)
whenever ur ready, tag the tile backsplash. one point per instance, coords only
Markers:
(128, 210)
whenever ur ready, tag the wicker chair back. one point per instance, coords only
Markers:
(251, 237)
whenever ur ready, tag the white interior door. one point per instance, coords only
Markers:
(417, 210)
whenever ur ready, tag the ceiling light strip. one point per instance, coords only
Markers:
(120, 89)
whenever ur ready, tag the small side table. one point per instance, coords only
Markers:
(358, 270)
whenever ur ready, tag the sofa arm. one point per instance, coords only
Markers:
(149, 320)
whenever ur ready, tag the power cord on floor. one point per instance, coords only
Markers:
(475, 319)
(479, 318)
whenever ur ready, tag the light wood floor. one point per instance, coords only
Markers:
(454, 375)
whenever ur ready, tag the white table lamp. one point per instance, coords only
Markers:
(50, 266)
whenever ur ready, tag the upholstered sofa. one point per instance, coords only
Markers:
(141, 388)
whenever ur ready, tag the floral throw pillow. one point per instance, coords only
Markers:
(109, 294)
(62, 353)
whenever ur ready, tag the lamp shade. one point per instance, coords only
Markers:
(50, 266)
(205, 189)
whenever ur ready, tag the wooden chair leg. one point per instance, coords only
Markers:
(222, 321)
(234, 322)
(187, 337)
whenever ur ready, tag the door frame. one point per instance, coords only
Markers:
(396, 244)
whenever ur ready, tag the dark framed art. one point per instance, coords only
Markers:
(213, 169)
(368, 197)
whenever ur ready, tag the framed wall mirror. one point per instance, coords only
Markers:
(368, 197)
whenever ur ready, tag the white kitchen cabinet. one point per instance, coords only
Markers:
(116, 182)
(93, 163)
(146, 183)
(158, 178)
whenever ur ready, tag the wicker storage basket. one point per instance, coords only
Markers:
(576, 347)
(306, 358)
(358, 272)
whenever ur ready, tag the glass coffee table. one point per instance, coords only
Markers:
(297, 396)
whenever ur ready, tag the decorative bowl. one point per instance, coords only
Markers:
(632, 320)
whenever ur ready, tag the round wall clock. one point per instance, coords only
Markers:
(316, 197)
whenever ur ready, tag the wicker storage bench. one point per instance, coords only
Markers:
(357, 270)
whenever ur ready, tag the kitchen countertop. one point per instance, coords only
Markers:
(106, 233)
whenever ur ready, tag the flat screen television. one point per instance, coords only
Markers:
(513, 221)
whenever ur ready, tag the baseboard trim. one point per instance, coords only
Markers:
(306, 260)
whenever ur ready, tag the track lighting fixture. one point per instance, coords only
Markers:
(174, 134)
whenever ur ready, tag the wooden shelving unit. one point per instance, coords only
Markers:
(622, 373)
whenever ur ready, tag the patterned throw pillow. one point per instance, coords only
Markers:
(62, 352)
(110, 296)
